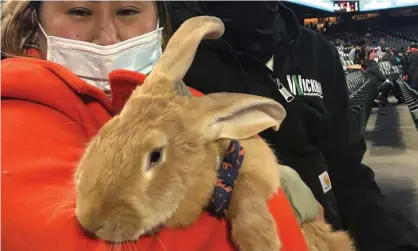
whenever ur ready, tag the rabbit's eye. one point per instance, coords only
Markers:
(155, 156)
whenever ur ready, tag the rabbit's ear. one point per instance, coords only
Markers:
(235, 116)
(179, 54)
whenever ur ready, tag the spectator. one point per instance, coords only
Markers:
(374, 56)
(380, 49)
(411, 67)
(387, 54)
(397, 57)
(354, 51)
(270, 55)
(370, 67)
(54, 102)
(372, 72)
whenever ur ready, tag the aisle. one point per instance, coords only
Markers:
(392, 142)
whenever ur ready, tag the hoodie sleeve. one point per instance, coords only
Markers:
(374, 223)
(40, 147)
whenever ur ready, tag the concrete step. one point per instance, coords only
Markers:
(392, 142)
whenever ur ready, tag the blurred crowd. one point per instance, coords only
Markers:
(368, 57)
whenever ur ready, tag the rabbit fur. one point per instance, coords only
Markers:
(155, 164)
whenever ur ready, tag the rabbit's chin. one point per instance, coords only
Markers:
(153, 231)
(121, 237)
(148, 232)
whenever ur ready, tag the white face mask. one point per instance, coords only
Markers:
(93, 63)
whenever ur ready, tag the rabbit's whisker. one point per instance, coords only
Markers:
(160, 241)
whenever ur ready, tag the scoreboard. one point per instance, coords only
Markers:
(355, 6)
(346, 6)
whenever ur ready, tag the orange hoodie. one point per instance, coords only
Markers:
(48, 115)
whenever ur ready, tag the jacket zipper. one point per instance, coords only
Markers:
(286, 94)
(282, 89)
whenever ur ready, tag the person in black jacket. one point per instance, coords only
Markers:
(387, 55)
(265, 52)
(385, 86)
(397, 57)
(371, 69)
(411, 67)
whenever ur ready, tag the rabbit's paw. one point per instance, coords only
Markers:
(320, 236)
(254, 229)
(341, 241)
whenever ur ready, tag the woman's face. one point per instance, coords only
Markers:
(101, 23)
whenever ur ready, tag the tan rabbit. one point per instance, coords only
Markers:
(155, 164)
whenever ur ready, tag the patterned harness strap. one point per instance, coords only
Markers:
(227, 176)
(287, 226)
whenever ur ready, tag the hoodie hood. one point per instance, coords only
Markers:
(258, 29)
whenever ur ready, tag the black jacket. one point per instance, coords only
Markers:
(372, 71)
(319, 133)
(412, 64)
(396, 60)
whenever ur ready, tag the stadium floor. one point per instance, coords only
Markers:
(392, 142)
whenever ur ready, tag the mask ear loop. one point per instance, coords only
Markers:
(158, 27)
(39, 24)
(41, 28)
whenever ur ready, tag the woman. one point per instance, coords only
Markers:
(72, 56)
